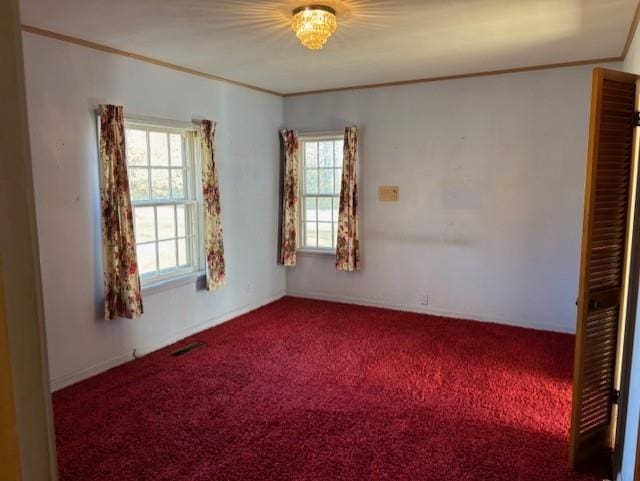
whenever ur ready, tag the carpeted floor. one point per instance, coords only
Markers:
(307, 390)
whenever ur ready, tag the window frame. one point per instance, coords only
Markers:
(192, 200)
(303, 138)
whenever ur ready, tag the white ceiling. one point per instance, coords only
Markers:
(377, 41)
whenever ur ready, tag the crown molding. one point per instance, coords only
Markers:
(141, 58)
(460, 76)
(632, 31)
(197, 73)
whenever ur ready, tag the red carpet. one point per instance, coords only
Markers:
(306, 390)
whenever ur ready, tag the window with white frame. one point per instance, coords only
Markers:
(163, 178)
(321, 175)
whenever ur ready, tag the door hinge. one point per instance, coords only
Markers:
(615, 396)
(636, 119)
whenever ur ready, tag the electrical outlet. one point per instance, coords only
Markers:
(424, 299)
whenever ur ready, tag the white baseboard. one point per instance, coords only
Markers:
(538, 325)
(69, 379)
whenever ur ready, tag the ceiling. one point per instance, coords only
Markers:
(377, 41)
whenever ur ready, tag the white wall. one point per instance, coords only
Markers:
(491, 174)
(490, 169)
(632, 64)
(65, 83)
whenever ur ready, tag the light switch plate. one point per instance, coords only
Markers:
(388, 193)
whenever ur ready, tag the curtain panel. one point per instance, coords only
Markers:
(214, 245)
(348, 242)
(122, 295)
(290, 198)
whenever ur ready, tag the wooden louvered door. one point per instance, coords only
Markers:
(602, 270)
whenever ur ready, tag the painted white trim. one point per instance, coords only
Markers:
(167, 124)
(316, 252)
(173, 282)
(303, 195)
(311, 136)
(69, 379)
(72, 378)
(537, 325)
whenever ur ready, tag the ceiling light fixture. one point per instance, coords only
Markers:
(314, 24)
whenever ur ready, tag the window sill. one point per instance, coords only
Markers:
(194, 278)
(316, 252)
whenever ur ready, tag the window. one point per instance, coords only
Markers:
(162, 168)
(321, 180)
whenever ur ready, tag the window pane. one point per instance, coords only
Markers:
(310, 154)
(136, 147)
(182, 252)
(326, 181)
(160, 183)
(336, 208)
(338, 177)
(167, 254)
(176, 149)
(326, 154)
(338, 153)
(335, 234)
(158, 171)
(310, 208)
(311, 181)
(325, 235)
(139, 183)
(158, 144)
(177, 184)
(324, 209)
(145, 224)
(166, 222)
(182, 220)
(311, 231)
(146, 258)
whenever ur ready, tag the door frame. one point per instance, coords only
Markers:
(631, 308)
(31, 445)
(630, 272)
(636, 477)
(9, 450)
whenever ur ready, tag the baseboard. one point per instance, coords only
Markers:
(541, 326)
(69, 379)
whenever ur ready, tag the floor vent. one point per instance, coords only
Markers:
(194, 346)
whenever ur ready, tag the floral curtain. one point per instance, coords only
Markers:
(348, 243)
(290, 197)
(214, 246)
(122, 297)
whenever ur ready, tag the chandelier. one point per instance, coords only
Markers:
(314, 24)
